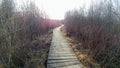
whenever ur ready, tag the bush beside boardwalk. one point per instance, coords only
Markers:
(25, 36)
(98, 30)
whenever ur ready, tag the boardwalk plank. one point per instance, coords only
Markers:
(61, 54)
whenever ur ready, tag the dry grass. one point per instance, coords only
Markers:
(31, 55)
(84, 55)
(34, 54)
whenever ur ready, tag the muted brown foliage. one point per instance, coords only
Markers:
(98, 30)
(21, 41)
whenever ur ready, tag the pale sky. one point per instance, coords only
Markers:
(56, 9)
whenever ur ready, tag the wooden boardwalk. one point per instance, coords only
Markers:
(61, 55)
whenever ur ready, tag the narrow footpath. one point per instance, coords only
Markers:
(61, 54)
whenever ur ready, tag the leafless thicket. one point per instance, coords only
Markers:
(98, 29)
(17, 30)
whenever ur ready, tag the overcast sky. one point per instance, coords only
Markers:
(56, 9)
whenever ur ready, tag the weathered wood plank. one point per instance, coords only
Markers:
(61, 55)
